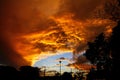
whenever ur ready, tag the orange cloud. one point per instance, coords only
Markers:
(34, 29)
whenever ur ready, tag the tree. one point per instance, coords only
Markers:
(115, 50)
(98, 53)
(97, 49)
(66, 76)
(105, 54)
(8, 72)
(29, 73)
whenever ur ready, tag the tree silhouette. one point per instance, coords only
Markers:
(66, 76)
(98, 50)
(115, 51)
(98, 53)
(8, 72)
(105, 54)
(29, 73)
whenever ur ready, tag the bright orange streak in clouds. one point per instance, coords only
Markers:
(66, 35)
(82, 66)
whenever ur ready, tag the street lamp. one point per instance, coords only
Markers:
(60, 67)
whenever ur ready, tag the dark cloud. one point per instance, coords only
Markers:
(82, 9)
(9, 56)
(81, 63)
(62, 59)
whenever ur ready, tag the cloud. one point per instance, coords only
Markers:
(81, 66)
(9, 56)
(19, 18)
(81, 9)
(81, 63)
(30, 28)
(62, 59)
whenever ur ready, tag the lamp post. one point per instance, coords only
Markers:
(60, 67)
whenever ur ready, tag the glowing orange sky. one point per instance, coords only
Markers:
(34, 29)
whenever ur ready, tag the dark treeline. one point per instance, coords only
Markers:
(33, 73)
(24, 73)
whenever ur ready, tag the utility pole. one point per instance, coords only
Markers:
(44, 71)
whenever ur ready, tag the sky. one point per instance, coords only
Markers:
(52, 63)
(32, 31)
